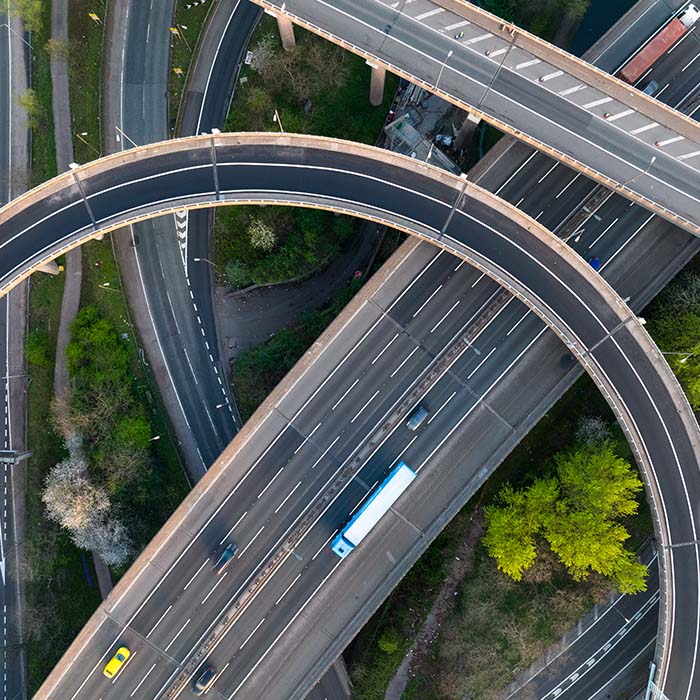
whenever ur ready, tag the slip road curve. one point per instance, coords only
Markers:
(516, 251)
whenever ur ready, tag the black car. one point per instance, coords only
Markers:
(225, 558)
(204, 680)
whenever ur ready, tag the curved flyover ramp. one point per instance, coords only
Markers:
(450, 212)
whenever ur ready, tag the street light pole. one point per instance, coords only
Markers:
(688, 355)
(87, 143)
(204, 260)
(632, 179)
(442, 68)
(126, 136)
(593, 347)
(19, 36)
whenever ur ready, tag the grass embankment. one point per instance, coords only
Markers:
(58, 597)
(188, 27)
(84, 52)
(43, 157)
(497, 625)
(164, 474)
(318, 88)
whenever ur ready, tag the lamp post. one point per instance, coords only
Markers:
(19, 36)
(442, 68)
(204, 260)
(644, 172)
(121, 132)
(87, 143)
(638, 319)
(688, 355)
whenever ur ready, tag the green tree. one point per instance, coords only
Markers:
(510, 537)
(576, 513)
(31, 12)
(133, 431)
(29, 102)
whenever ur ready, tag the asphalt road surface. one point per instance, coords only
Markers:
(480, 70)
(206, 106)
(330, 172)
(613, 245)
(13, 143)
(178, 290)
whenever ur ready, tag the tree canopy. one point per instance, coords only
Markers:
(576, 512)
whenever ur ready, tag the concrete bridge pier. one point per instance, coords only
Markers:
(286, 32)
(51, 268)
(466, 130)
(376, 86)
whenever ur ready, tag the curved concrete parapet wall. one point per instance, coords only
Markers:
(600, 330)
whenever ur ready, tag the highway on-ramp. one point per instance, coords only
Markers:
(309, 175)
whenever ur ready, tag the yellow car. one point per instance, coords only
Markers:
(116, 662)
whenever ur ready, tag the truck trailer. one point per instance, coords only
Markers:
(645, 58)
(372, 511)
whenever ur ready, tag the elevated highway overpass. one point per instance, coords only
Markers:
(561, 105)
(513, 249)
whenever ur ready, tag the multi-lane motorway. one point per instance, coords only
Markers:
(610, 232)
(13, 380)
(418, 213)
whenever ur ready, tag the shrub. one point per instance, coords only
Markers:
(389, 641)
(237, 274)
(261, 235)
(36, 348)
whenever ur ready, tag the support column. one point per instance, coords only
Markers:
(466, 130)
(286, 32)
(50, 268)
(376, 86)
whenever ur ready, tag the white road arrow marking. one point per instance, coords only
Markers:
(181, 220)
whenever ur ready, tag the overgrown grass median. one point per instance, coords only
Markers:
(84, 54)
(185, 33)
(59, 598)
(38, 100)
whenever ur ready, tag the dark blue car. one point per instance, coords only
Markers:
(594, 262)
